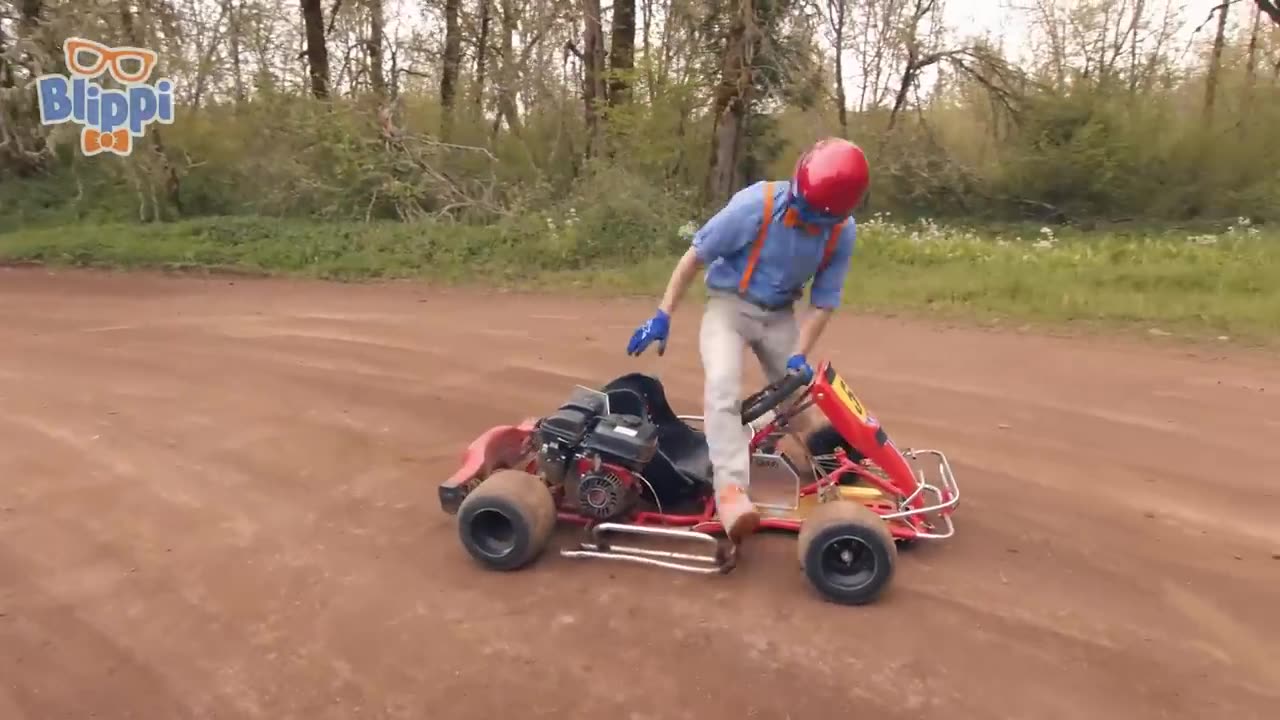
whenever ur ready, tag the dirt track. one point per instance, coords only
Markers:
(217, 499)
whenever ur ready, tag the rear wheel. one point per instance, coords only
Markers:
(505, 523)
(847, 552)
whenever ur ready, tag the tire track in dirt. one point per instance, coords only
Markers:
(1248, 654)
(249, 534)
(266, 463)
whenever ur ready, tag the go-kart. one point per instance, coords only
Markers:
(619, 460)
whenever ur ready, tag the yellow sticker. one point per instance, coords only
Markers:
(850, 400)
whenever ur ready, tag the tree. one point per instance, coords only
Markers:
(1271, 8)
(1215, 62)
(836, 14)
(451, 63)
(333, 116)
(622, 44)
(317, 53)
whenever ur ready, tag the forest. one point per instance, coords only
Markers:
(1092, 110)
(608, 130)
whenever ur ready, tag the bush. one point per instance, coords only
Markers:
(1225, 283)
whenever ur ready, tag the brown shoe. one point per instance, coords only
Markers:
(745, 524)
(737, 513)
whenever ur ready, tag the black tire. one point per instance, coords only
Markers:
(506, 521)
(847, 552)
(826, 439)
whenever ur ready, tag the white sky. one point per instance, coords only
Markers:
(1008, 23)
(1004, 20)
(978, 16)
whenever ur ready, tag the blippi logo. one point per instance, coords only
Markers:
(111, 118)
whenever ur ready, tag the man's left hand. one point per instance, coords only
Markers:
(798, 362)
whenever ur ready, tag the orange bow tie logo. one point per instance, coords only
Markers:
(791, 219)
(93, 142)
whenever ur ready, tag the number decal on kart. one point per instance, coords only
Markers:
(850, 400)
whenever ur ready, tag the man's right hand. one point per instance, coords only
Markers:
(655, 328)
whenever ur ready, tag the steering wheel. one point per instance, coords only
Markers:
(772, 395)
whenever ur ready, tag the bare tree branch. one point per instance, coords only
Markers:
(1271, 8)
(1214, 11)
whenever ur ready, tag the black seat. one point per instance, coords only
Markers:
(682, 464)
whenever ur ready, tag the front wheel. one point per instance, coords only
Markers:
(506, 521)
(847, 552)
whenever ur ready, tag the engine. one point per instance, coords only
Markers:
(605, 494)
(595, 457)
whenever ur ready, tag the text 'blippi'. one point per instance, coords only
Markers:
(110, 117)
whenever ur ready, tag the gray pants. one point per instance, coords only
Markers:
(729, 326)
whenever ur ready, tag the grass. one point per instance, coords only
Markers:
(1200, 285)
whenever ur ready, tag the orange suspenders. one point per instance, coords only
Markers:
(832, 241)
(760, 236)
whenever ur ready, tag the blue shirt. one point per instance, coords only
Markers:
(790, 257)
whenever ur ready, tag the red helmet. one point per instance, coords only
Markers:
(832, 177)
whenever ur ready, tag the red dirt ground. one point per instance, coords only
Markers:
(217, 499)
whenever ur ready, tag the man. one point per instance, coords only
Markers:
(759, 251)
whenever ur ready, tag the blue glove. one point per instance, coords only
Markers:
(655, 329)
(798, 362)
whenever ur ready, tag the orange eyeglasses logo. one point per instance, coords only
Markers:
(111, 118)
